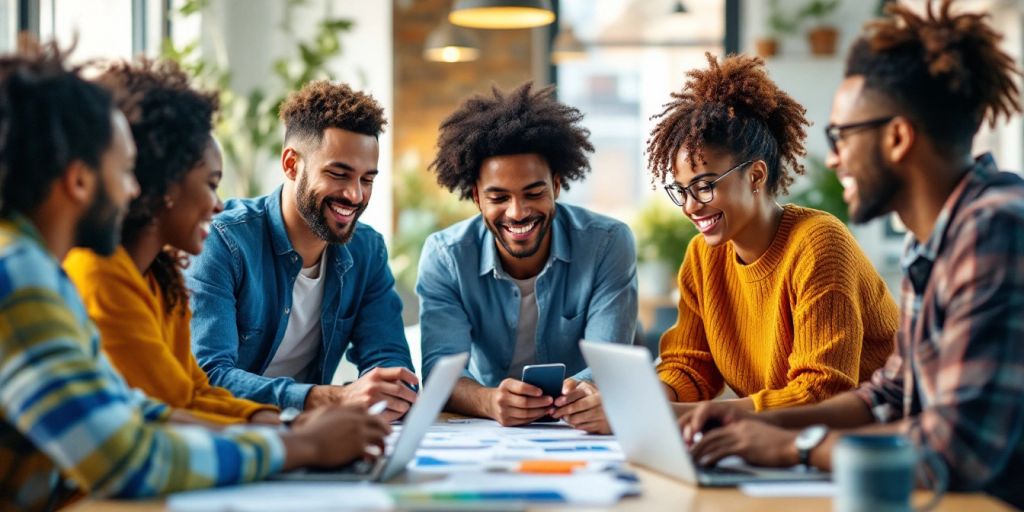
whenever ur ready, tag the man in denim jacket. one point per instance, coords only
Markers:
(525, 280)
(288, 281)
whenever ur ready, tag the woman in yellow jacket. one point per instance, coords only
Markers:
(137, 296)
(778, 302)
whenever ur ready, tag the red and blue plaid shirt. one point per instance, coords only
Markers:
(957, 375)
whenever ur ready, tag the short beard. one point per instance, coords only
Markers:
(313, 213)
(545, 226)
(875, 194)
(99, 229)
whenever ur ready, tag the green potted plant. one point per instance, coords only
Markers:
(779, 24)
(662, 234)
(822, 35)
(821, 190)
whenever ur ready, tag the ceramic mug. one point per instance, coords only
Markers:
(876, 473)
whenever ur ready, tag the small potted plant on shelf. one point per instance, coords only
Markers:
(662, 234)
(779, 25)
(821, 36)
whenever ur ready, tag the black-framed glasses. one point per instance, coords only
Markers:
(834, 132)
(703, 191)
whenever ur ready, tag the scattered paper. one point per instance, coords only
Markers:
(276, 496)
(789, 489)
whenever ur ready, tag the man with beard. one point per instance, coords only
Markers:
(525, 280)
(70, 423)
(916, 91)
(289, 281)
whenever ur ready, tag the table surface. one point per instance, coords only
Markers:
(662, 493)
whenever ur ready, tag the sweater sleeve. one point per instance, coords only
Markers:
(686, 363)
(828, 323)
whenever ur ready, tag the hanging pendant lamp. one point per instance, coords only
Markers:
(502, 14)
(448, 43)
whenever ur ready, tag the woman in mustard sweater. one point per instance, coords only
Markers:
(778, 302)
(137, 296)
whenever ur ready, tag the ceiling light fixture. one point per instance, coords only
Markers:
(502, 14)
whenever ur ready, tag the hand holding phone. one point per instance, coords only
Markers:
(547, 377)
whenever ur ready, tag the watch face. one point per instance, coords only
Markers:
(810, 437)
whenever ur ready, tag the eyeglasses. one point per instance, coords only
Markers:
(703, 191)
(834, 132)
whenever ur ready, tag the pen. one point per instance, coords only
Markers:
(378, 408)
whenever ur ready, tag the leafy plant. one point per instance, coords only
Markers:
(662, 233)
(249, 127)
(780, 23)
(822, 191)
(423, 208)
(818, 10)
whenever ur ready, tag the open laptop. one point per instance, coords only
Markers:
(647, 430)
(417, 421)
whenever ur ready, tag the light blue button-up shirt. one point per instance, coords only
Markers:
(587, 290)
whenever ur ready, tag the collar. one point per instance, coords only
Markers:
(278, 234)
(918, 258)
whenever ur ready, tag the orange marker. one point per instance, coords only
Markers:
(550, 466)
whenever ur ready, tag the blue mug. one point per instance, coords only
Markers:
(877, 473)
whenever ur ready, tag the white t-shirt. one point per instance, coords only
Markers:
(301, 343)
(526, 332)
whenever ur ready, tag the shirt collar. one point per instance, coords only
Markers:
(278, 233)
(561, 249)
(917, 256)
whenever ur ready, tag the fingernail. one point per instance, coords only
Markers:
(686, 433)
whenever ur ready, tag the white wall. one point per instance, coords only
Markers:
(245, 34)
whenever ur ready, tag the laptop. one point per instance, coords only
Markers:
(417, 421)
(647, 429)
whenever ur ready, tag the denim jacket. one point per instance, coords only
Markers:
(587, 290)
(241, 286)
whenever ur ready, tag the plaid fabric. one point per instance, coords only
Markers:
(957, 375)
(64, 409)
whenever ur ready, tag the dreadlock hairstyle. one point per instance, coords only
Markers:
(49, 117)
(944, 72)
(523, 120)
(320, 105)
(171, 124)
(731, 106)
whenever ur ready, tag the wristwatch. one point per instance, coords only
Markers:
(807, 440)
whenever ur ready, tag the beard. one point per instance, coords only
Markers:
(876, 190)
(544, 223)
(99, 229)
(312, 211)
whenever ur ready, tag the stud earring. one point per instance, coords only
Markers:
(168, 203)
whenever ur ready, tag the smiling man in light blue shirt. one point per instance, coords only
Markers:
(525, 280)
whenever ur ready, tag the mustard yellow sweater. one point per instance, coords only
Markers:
(809, 319)
(150, 347)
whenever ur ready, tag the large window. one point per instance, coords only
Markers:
(638, 53)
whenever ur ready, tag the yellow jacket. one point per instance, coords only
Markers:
(809, 319)
(150, 347)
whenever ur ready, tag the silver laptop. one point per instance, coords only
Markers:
(646, 428)
(417, 421)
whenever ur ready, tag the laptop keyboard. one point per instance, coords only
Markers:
(725, 470)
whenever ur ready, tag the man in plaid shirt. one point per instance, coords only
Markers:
(66, 159)
(916, 91)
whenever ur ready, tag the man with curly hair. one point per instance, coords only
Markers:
(528, 278)
(290, 281)
(917, 89)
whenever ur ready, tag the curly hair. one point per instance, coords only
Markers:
(944, 71)
(49, 117)
(735, 107)
(320, 105)
(521, 121)
(171, 124)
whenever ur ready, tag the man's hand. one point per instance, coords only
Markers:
(515, 402)
(757, 442)
(378, 384)
(705, 416)
(332, 436)
(580, 406)
(266, 417)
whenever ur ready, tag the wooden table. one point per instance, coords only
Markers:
(661, 493)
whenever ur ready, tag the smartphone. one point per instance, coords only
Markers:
(547, 377)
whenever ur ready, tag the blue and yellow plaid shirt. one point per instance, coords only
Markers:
(66, 412)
